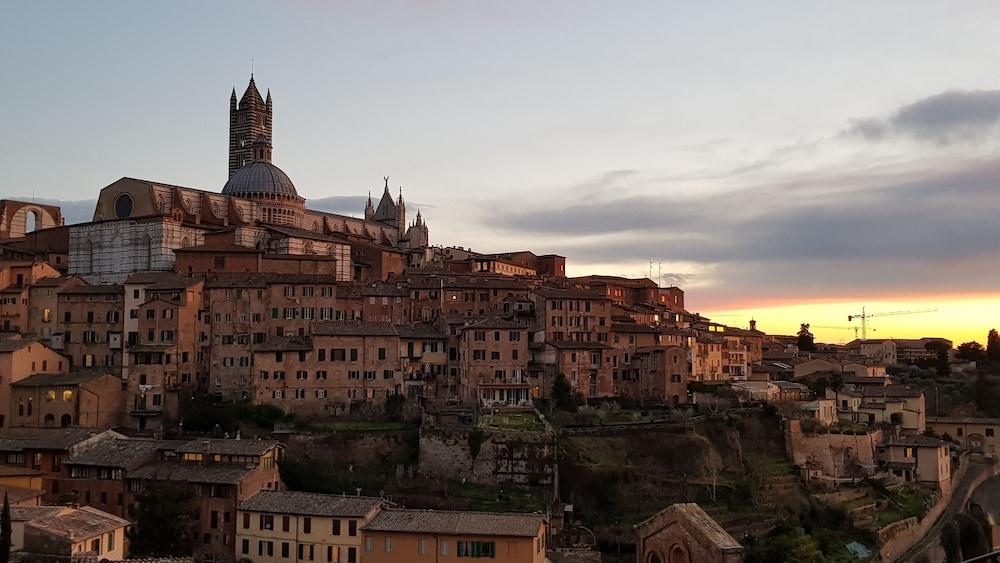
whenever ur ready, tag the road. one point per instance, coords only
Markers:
(955, 505)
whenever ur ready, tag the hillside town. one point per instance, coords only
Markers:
(222, 374)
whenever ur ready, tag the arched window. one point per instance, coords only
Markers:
(50, 420)
(679, 555)
(66, 420)
(32, 221)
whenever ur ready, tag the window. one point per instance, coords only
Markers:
(95, 545)
(307, 522)
(352, 555)
(246, 522)
(989, 432)
(336, 527)
(111, 541)
(444, 547)
(369, 544)
(285, 551)
(352, 528)
(388, 544)
(381, 353)
(285, 523)
(266, 522)
(422, 546)
(246, 545)
(476, 549)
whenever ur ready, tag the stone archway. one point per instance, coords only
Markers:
(654, 557)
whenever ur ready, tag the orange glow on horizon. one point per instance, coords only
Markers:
(958, 318)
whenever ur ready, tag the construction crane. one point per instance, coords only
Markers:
(864, 316)
(855, 328)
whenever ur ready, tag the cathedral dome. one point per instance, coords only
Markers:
(259, 178)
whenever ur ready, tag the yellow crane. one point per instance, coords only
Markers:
(864, 316)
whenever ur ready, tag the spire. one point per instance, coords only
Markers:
(268, 96)
(369, 209)
(386, 187)
(233, 97)
(252, 93)
(420, 220)
(400, 200)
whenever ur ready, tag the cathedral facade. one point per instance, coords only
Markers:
(139, 225)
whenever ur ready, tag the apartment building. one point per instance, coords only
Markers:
(164, 351)
(90, 325)
(43, 305)
(72, 533)
(276, 526)
(493, 356)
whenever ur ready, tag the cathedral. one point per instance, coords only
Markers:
(142, 225)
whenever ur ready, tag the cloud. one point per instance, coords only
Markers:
(825, 233)
(952, 117)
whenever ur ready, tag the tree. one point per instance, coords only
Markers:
(993, 346)
(563, 396)
(163, 522)
(806, 342)
(5, 531)
(970, 352)
(711, 469)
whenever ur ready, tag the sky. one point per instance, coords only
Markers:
(785, 161)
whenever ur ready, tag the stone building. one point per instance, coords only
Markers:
(18, 218)
(684, 533)
(139, 224)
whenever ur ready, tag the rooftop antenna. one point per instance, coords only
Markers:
(251, 67)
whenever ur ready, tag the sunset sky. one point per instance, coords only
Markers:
(787, 161)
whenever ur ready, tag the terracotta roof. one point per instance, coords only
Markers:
(634, 328)
(549, 292)
(457, 523)
(217, 473)
(124, 453)
(570, 345)
(962, 420)
(79, 524)
(228, 447)
(94, 289)
(422, 330)
(52, 379)
(310, 504)
(14, 343)
(28, 513)
(916, 440)
(353, 328)
(285, 344)
(493, 323)
(18, 495)
(19, 439)
(705, 524)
